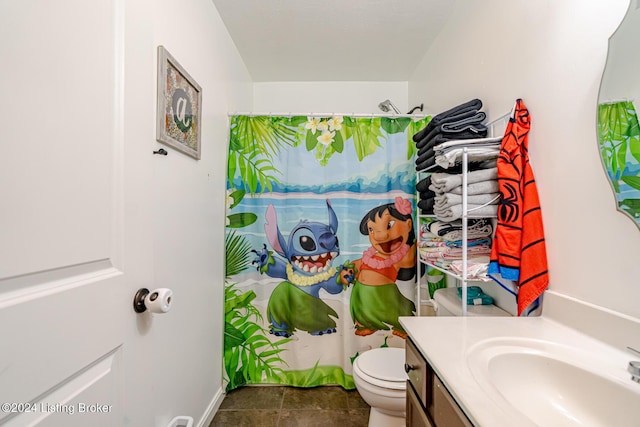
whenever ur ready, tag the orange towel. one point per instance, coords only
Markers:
(518, 252)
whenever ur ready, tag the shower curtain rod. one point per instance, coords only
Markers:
(314, 114)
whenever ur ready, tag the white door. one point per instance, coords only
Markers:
(63, 299)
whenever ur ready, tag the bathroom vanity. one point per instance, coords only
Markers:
(429, 403)
(515, 371)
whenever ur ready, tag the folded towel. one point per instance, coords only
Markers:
(473, 123)
(439, 228)
(426, 164)
(436, 138)
(444, 150)
(426, 234)
(446, 230)
(439, 242)
(467, 142)
(443, 182)
(473, 155)
(472, 105)
(423, 184)
(483, 187)
(470, 242)
(476, 268)
(445, 252)
(454, 212)
(427, 148)
(472, 166)
(425, 144)
(444, 200)
(427, 195)
(426, 206)
(449, 145)
(425, 155)
(432, 243)
(469, 122)
(456, 253)
(476, 228)
(475, 296)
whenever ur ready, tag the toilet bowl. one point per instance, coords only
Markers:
(381, 381)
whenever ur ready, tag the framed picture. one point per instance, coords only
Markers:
(179, 106)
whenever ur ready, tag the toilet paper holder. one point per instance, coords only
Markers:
(157, 301)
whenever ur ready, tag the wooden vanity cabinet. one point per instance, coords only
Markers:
(429, 403)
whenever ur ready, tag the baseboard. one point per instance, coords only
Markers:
(212, 408)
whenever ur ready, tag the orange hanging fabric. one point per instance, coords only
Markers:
(518, 252)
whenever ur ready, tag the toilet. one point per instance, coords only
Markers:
(446, 302)
(379, 373)
(382, 383)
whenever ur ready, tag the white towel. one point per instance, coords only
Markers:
(467, 142)
(477, 228)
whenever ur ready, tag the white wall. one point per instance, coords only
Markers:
(620, 79)
(328, 97)
(175, 359)
(551, 54)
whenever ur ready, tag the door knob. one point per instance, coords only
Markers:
(156, 301)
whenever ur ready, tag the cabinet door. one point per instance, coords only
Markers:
(416, 415)
(418, 372)
(445, 410)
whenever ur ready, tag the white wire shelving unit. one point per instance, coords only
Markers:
(494, 128)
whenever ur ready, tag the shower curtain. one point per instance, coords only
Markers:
(320, 245)
(619, 139)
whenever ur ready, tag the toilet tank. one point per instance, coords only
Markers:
(447, 303)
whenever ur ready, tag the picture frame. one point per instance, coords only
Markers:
(179, 107)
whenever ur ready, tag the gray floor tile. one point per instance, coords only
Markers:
(315, 398)
(246, 418)
(254, 397)
(278, 406)
(323, 418)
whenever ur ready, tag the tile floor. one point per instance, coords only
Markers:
(278, 406)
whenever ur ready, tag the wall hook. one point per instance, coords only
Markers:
(161, 151)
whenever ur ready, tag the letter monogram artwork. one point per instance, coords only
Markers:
(179, 106)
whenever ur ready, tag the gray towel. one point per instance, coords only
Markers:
(443, 182)
(483, 187)
(455, 212)
(446, 200)
(474, 124)
(455, 113)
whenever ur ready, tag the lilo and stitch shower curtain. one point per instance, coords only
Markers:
(320, 245)
(619, 139)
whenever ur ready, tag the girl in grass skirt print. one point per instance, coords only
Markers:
(376, 302)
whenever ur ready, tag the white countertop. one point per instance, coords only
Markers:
(445, 343)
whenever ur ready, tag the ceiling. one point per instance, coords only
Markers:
(333, 40)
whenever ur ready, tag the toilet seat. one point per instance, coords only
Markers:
(382, 367)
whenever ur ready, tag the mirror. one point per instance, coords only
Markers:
(617, 122)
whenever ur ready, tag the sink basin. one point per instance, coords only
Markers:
(550, 384)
